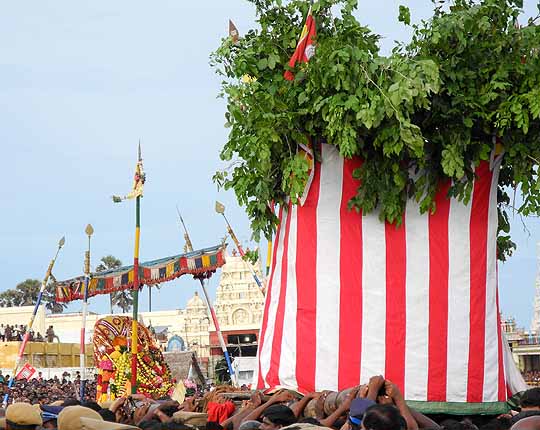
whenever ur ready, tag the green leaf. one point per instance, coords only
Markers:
(404, 15)
(272, 60)
(262, 63)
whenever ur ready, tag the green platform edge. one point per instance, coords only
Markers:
(459, 408)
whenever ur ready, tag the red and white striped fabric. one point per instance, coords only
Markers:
(350, 297)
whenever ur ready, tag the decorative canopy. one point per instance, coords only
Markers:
(202, 263)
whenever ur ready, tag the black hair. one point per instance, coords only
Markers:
(531, 398)
(383, 417)
(451, 424)
(310, 420)
(150, 425)
(14, 426)
(107, 415)
(71, 402)
(213, 425)
(91, 405)
(171, 425)
(502, 423)
(280, 415)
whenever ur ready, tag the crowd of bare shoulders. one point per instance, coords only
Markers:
(377, 405)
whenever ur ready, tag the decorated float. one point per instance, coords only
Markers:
(113, 359)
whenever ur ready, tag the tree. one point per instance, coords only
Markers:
(122, 299)
(26, 294)
(428, 112)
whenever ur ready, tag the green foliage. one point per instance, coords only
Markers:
(430, 111)
(251, 256)
(404, 15)
(221, 372)
(26, 294)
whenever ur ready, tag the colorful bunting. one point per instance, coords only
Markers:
(197, 263)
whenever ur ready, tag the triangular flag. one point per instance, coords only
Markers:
(233, 32)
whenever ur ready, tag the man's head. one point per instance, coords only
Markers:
(529, 423)
(23, 416)
(357, 410)
(383, 417)
(531, 399)
(250, 425)
(277, 416)
(70, 417)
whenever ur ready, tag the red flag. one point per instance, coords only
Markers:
(305, 49)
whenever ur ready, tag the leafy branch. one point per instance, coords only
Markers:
(428, 112)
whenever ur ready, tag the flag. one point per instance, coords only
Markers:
(233, 32)
(350, 297)
(179, 392)
(305, 49)
(26, 372)
(138, 182)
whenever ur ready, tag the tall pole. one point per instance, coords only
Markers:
(134, 334)
(32, 318)
(89, 231)
(136, 192)
(210, 307)
(268, 257)
(220, 209)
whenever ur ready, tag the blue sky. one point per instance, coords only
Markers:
(82, 82)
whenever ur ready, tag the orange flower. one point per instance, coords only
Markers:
(120, 341)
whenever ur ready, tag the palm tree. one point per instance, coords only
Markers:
(122, 299)
(26, 292)
(7, 298)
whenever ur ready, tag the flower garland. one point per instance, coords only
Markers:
(114, 374)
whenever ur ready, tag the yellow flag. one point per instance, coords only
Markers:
(179, 393)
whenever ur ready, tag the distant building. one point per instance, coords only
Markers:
(239, 307)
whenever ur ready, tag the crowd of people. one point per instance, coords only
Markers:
(532, 377)
(378, 405)
(40, 390)
(15, 333)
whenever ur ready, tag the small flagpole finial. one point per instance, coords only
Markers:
(140, 154)
(220, 208)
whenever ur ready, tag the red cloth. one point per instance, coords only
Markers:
(219, 412)
(306, 45)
